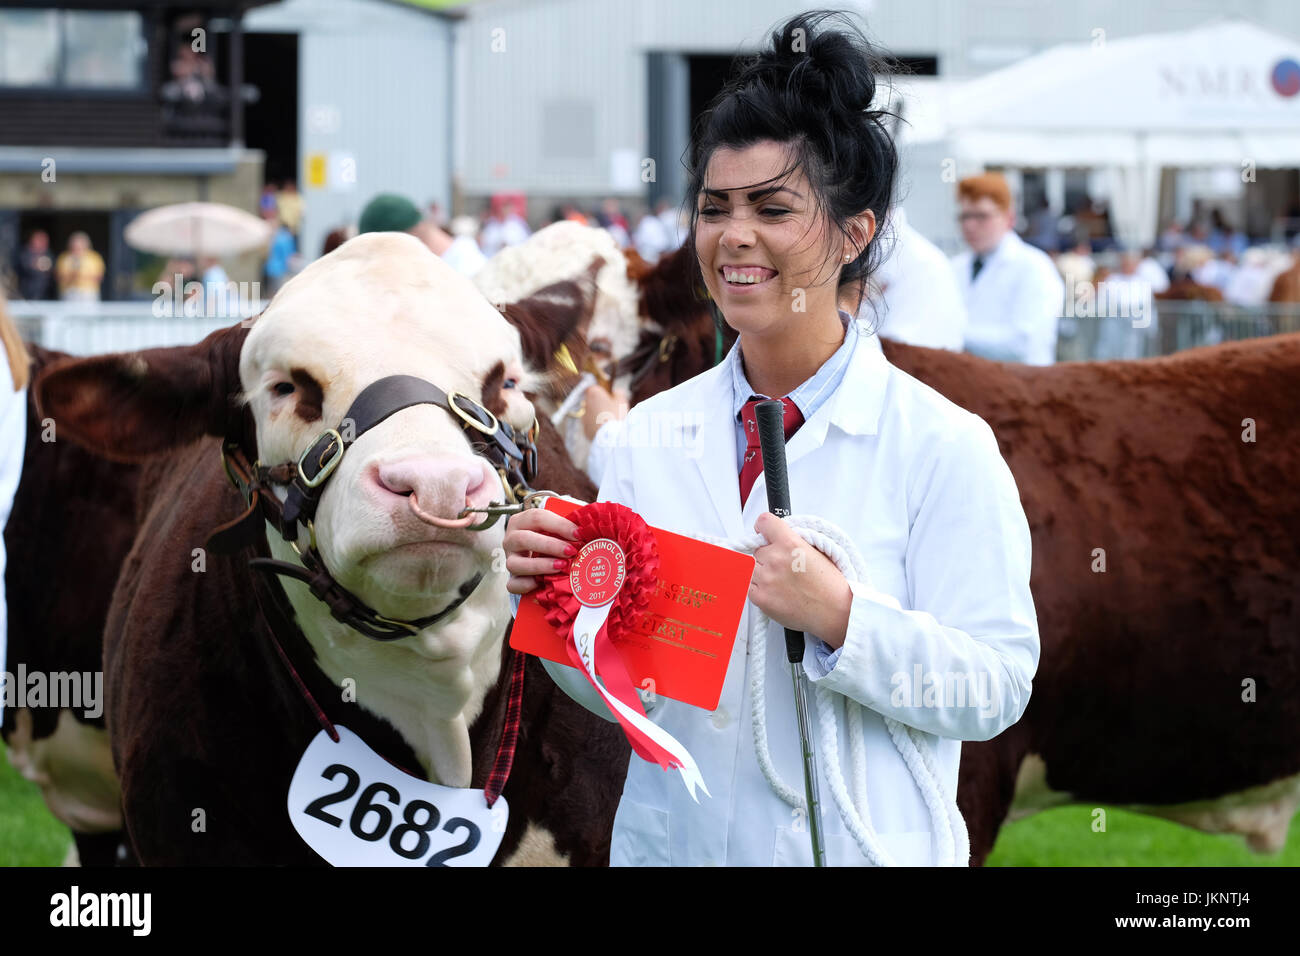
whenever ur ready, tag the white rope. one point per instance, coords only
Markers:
(946, 820)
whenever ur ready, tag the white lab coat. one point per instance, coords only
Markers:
(13, 441)
(1013, 307)
(919, 485)
(920, 303)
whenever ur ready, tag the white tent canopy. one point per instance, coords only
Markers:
(1226, 93)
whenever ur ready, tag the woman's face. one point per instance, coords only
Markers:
(764, 248)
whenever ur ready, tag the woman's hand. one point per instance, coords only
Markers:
(797, 586)
(537, 542)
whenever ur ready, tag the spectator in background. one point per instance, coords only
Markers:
(1012, 291)
(1215, 271)
(613, 221)
(289, 204)
(437, 215)
(1077, 268)
(79, 271)
(1042, 228)
(1183, 285)
(463, 253)
(218, 297)
(1153, 273)
(920, 302)
(176, 274)
(1126, 314)
(568, 212)
(1223, 238)
(267, 202)
(1253, 280)
(677, 223)
(505, 226)
(653, 238)
(1171, 238)
(389, 212)
(36, 267)
(279, 254)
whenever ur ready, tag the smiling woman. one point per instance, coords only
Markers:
(791, 176)
(792, 173)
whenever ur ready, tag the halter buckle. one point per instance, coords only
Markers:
(324, 467)
(472, 419)
(666, 346)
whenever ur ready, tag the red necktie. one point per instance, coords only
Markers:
(752, 464)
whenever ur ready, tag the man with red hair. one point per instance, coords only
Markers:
(1013, 292)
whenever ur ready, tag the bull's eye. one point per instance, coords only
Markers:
(282, 388)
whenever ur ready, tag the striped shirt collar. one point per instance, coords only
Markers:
(809, 396)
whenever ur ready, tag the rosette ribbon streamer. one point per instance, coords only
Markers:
(602, 598)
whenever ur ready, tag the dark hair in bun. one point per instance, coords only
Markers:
(812, 89)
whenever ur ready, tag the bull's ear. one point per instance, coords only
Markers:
(547, 317)
(129, 405)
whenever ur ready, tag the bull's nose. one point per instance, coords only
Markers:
(436, 486)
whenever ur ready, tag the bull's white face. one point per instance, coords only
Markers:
(381, 305)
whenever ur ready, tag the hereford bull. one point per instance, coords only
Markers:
(569, 250)
(206, 716)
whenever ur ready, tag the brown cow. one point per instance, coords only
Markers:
(194, 679)
(1166, 537)
(72, 525)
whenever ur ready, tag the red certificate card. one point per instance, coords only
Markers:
(684, 641)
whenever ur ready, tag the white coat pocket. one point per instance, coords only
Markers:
(640, 836)
(794, 848)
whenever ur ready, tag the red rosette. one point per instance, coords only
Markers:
(595, 571)
(619, 523)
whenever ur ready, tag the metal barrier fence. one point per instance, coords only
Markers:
(1174, 326)
(97, 327)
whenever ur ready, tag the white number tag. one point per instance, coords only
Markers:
(354, 808)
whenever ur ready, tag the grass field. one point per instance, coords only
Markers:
(29, 836)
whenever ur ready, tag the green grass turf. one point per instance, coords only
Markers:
(1064, 837)
(29, 836)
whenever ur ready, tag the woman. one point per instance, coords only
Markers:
(792, 174)
(13, 438)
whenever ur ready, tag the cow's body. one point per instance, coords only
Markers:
(1143, 694)
(72, 525)
(207, 724)
(205, 716)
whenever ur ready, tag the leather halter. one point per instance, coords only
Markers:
(513, 457)
(646, 356)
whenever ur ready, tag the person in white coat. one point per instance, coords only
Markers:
(1014, 295)
(914, 482)
(920, 303)
(13, 439)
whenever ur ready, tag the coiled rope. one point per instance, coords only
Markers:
(946, 819)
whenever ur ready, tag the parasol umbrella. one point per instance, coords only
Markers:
(197, 229)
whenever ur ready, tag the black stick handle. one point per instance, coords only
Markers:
(771, 435)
